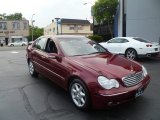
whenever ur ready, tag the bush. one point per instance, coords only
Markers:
(96, 38)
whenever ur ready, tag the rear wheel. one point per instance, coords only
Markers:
(79, 94)
(32, 70)
(131, 54)
(11, 45)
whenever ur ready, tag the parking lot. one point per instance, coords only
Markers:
(23, 97)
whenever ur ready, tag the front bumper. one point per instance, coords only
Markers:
(103, 99)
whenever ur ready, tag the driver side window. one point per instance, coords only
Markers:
(51, 47)
(113, 41)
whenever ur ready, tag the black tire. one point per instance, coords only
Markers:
(131, 54)
(32, 70)
(11, 45)
(23, 44)
(80, 93)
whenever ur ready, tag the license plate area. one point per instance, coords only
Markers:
(139, 92)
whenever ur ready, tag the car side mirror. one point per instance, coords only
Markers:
(30, 43)
(54, 56)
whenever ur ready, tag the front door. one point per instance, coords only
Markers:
(57, 69)
(114, 45)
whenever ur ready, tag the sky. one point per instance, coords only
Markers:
(46, 10)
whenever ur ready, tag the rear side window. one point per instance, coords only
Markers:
(141, 40)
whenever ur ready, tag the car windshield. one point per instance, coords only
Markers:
(80, 46)
(141, 40)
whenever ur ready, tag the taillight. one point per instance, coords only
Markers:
(148, 45)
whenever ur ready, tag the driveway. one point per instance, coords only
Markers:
(25, 98)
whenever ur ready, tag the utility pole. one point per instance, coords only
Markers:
(57, 25)
(32, 21)
(91, 14)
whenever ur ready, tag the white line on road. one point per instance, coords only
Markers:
(14, 52)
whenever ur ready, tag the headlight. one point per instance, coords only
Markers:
(107, 83)
(145, 73)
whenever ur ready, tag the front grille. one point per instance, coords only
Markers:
(133, 79)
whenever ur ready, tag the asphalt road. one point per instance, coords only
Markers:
(25, 98)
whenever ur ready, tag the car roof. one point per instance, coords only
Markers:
(56, 37)
(63, 36)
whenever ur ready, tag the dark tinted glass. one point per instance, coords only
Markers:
(141, 40)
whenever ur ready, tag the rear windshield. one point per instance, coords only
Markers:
(141, 40)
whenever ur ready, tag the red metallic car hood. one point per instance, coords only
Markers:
(113, 66)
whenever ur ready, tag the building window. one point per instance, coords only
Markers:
(71, 27)
(80, 27)
(25, 25)
(16, 25)
(3, 26)
(53, 29)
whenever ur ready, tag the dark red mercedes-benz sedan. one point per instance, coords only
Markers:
(92, 75)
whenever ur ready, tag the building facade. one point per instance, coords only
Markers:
(69, 27)
(11, 31)
(140, 18)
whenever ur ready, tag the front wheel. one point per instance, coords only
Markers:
(32, 70)
(11, 45)
(131, 54)
(79, 94)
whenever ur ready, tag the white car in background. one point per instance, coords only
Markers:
(132, 47)
(18, 43)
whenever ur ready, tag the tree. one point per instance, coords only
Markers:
(104, 11)
(96, 38)
(2, 16)
(15, 16)
(37, 32)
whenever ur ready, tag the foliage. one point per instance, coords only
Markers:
(37, 32)
(15, 16)
(2, 16)
(96, 38)
(104, 11)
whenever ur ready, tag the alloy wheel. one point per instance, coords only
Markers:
(131, 54)
(31, 68)
(78, 94)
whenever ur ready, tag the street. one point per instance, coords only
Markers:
(23, 97)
